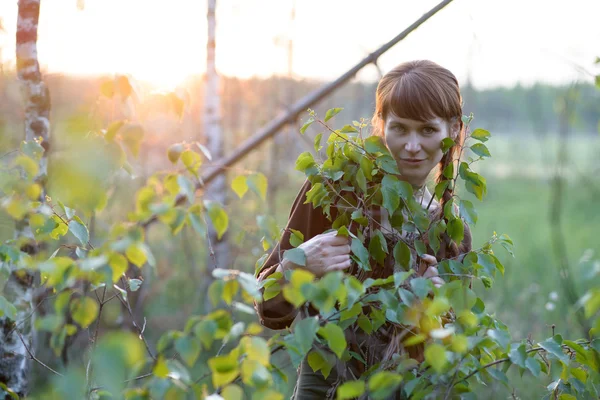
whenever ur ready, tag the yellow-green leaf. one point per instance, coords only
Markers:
(161, 370)
(435, 355)
(336, 340)
(118, 263)
(232, 392)
(350, 390)
(239, 186)
(218, 217)
(332, 113)
(136, 255)
(258, 183)
(84, 311)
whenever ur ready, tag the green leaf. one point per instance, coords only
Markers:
(350, 390)
(191, 160)
(435, 355)
(336, 340)
(257, 349)
(84, 311)
(297, 256)
(348, 129)
(332, 113)
(378, 247)
(134, 284)
(388, 164)
(218, 217)
(468, 212)
(383, 384)
(258, 183)
(296, 238)
(230, 289)
(187, 187)
(518, 355)
(500, 337)
(317, 361)
(420, 247)
(375, 144)
(534, 366)
(188, 348)
(249, 284)
(7, 309)
(224, 368)
(480, 134)
(456, 230)
(361, 252)
(390, 189)
(403, 256)
(306, 125)
(305, 333)
(174, 152)
(553, 347)
(306, 163)
(447, 143)
(441, 187)
(448, 172)
(317, 142)
(481, 150)
(361, 181)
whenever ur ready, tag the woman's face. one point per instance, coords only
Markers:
(416, 145)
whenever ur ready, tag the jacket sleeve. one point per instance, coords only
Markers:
(277, 313)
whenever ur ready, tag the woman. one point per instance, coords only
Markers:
(418, 104)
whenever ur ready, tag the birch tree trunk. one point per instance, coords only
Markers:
(17, 340)
(217, 189)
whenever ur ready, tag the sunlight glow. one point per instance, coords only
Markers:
(164, 42)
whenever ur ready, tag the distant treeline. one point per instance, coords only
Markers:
(247, 104)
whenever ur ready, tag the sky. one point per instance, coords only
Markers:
(493, 42)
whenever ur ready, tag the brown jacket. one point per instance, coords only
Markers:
(277, 313)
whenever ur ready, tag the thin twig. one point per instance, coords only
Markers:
(126, 304)
(33, 357)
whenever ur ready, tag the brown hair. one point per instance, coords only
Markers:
(421, 90)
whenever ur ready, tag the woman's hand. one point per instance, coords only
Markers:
(324, 253)
(429, 263)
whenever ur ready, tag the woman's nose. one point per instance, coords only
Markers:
(413, 145)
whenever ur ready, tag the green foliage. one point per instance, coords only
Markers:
(222, 353)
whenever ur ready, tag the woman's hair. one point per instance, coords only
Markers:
(421, 90)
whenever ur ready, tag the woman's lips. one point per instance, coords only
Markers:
(411, 161)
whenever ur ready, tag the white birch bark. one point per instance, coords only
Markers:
(19, 289)
(217, 189)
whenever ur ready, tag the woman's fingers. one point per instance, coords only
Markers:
(338, 259)
(338, 250)
(337, 240)
(430, 260)
(431, 272)
(339, 266)
(437, 281)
